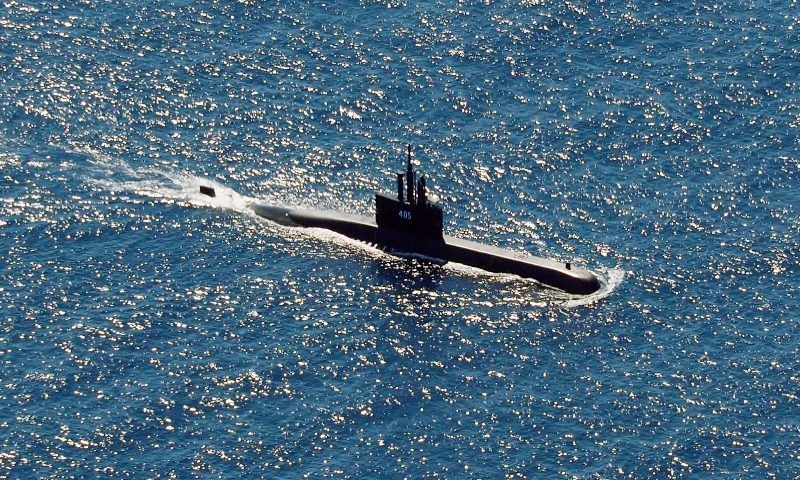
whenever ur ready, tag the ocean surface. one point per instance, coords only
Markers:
(147, 331)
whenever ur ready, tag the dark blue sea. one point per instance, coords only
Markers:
(147, 331)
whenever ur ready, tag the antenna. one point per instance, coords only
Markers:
(410, 178)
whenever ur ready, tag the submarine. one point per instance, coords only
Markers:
(410, 222)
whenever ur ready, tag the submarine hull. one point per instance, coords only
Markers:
(449, 249)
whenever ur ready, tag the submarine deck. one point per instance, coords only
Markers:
(451, 249)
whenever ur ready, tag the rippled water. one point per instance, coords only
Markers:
(151, 332)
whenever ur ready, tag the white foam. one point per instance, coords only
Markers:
(610, 279)
(162, 184)
(418, 256)
(185, 188)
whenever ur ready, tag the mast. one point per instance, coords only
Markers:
(400, 187)
(410, 178)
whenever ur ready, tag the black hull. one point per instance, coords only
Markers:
(450, 249)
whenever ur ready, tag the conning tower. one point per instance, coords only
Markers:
(415, 214)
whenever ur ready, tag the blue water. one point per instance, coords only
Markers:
(149, 332)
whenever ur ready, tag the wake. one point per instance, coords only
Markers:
(164, 185)
(120, 179)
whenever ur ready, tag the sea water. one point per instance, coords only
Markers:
(148, 331)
